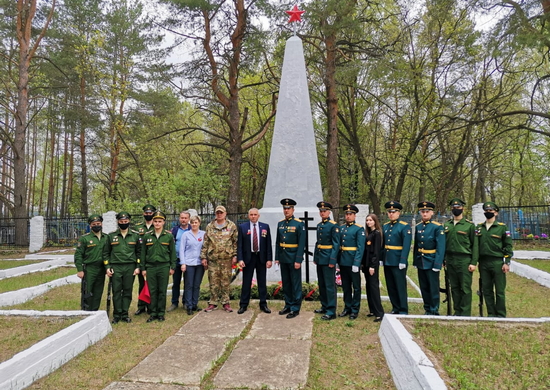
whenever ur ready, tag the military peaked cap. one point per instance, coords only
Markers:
(350, 208)
(149, 208)
(324, 205)
(456, 202)
(94, 218)
(490, 206)
(393, 205)
(123, 215)
(288, 203)
(425, 205)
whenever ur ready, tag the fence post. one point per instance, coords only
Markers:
(37, 236)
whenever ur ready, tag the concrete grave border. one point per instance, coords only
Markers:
(38, 267)
(410, 367)
(541, 277)
(23, 295)
(48, 355)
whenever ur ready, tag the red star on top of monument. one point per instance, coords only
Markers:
(295, 15)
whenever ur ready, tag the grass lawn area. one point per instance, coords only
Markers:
(345, 354)
(35, 278)
(18, 333)
(543, 265)
(484, 355)
(6, 264)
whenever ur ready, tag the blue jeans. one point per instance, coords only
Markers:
(192, 279)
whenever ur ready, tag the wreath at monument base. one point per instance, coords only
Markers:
(310, 292)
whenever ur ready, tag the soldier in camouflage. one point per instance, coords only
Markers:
(218, 254)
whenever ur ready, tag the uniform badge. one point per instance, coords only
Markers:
(91, 242)
(507, 233)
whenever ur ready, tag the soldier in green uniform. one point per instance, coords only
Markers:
(495, 253)
(352, 246)
(461, 257)
(218, 254)
(325, 258)
(428, 255)
(89, 264)
(159, 262)
(121, 257)
(289, 254)
(143, 227)
(397, 245)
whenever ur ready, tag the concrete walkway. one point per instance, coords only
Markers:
(272, 350)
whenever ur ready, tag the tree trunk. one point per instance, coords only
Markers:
(82, 145)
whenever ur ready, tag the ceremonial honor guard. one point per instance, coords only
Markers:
(495, 253)
(352, 246)
(121, 257)
(428, 255)
(159, 262)
(325, 258)
(397, 245)
(142, 228)
(461, 257)
(88, 259)
(289, 254)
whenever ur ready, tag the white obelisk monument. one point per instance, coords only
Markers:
(293, 166)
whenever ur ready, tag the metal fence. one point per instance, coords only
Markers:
(526, 222)
(8, 233)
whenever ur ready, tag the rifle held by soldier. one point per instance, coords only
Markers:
(84, 293)
(109, 294)
(480, 294)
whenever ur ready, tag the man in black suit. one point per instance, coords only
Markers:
(254, 252)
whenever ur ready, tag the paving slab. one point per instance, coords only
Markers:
(266, 364)
(180, 359)
(147, 386)
(275, 327)
(188, 355)
(217, 323)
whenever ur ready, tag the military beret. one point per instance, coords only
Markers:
(456, 202)
(149, 208)
(425, 205)
(221, 208)
(324, 205)
(393, 205)
(123, 215)
(159, 214)
(288, 203)
(350, 208)
(490, 205)
(94, 218)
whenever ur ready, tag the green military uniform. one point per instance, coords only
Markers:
(159, 257)
(219, 248)
(289, 249)
(122, 254)
(397, 245)
(352, 246)
(461, 251)
(326, 252)
(88, 258)
(142, 228)
(495, 249)
(428, 255)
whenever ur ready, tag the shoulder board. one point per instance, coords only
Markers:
(436, 223)
(501, 223)
(298, 219)
(282, 220)
(331, 221)
(467, 220)
(167, 231)
(358, 225)
(403, 223)
(480, 224)
(134, 231)
(387, 223)
(138, 224)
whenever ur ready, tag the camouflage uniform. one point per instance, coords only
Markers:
(220, 246)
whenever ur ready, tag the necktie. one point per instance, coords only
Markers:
(255, 240)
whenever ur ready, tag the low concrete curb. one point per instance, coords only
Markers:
(410, 367)
(541, 277)
(26, 294)
(27, 269)
(51, 353)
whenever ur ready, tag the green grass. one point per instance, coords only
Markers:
(484, 355)
(543, 265)
(34, 279)
(18, 333)
(7, 264)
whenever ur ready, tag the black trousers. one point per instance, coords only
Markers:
(373, 292)
(261, 278)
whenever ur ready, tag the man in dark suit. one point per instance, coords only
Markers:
(254, 252)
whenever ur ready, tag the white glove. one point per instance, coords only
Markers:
(435, 270)
(381, 263)
(402, 266)
(354, 269)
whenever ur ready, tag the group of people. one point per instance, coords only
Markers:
(152, 253)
